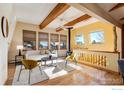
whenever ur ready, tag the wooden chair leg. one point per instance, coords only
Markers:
(19, 73)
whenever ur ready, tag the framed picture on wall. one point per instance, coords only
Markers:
(4, 26)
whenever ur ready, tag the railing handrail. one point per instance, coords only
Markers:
(106, 60)
(99, 51)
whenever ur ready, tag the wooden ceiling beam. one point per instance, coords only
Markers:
(58, 10)
(82, 18)
(77, 20)
(122, 18)
(116, 7)
(58, 29)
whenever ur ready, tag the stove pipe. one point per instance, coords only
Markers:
(69, 41)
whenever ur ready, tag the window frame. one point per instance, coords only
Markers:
(29, 31)
(56, 41)
(39, 39)
(96, 32)
(82, 37)
(61, 40)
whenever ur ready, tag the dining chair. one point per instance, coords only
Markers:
(29, 65)
(71, 57)
(121, 68)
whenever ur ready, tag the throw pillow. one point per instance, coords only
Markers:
(42, 52)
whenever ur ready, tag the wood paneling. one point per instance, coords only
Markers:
(77, 20)
(115, 38)
(59, 9)
(58, 29)
(82, 18)
(116, 7)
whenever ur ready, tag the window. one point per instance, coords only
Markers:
(29, 40)
(43, 40)
(79, 39)
(97, 37)
(63, 41)
(54, 39)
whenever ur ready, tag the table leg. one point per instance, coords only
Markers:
(51, 61)
(45, 63)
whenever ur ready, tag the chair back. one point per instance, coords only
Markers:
(72, 56)
(29, 64)
(121, 66)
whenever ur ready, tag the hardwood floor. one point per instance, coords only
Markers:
(11, 71)
(86, 76)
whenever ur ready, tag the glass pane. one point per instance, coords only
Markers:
(63, 45)
(63, 41)
(29, 40)
(30, 45)
(43, 45)
(79, 39)
(97, 37)
(53, 46)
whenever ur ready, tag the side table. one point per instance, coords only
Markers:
(18, 59)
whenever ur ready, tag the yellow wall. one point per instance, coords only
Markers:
(108, 44)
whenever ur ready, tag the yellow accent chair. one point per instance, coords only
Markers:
(29, 65)
(71, 57)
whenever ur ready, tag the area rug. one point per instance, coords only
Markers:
(47, 73)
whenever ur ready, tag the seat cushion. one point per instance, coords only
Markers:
(36, 57)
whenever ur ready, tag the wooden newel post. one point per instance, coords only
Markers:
(115, 39)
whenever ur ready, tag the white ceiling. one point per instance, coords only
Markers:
(86, 22)
(69, 15)
(36, 13)
(33, 13)
(116, 14)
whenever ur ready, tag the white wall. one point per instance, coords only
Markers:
(118, 31)
(7, 11)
